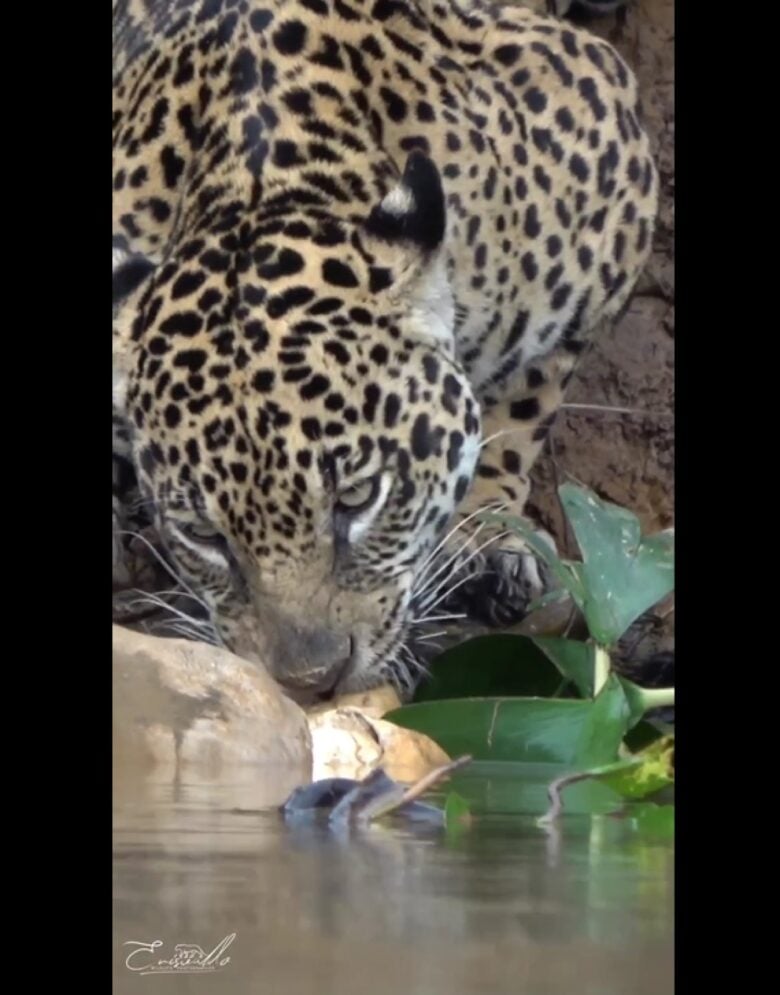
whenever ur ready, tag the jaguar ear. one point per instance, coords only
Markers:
(409, 227)
(414, 211)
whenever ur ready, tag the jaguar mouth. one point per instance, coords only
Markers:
(316, 686)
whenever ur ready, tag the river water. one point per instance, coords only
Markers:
(498, 907)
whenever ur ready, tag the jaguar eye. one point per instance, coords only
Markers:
(202, 533)
(359, 497)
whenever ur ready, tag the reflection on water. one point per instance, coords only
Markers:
(499, 908)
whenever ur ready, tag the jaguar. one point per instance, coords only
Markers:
(358, 246)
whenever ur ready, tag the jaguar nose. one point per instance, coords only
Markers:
(320, 683)
(314, 686)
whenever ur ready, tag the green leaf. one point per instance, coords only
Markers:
(635, 700)
(622, 575)
(521, 789)
(635, 696)
(456, 810)
(609, 716)
(646, 732)
(641, 700)
(652, 820)
(643, 774)
(574, 660)
(636, 777)
(489, 666)
(571, 732)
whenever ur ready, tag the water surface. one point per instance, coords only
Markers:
(502, 907)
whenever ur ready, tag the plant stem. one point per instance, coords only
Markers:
(657, 698)
(554, 794)
(601, 668)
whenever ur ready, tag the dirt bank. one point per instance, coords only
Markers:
(628, 456)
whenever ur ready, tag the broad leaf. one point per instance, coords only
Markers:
(646, 732)
(521, 789)
(636, 777)
(610, 715)
(644, 773)
(637, 701)
(652, 820)
(456, 810)
(622, 575)
(579, 734)
(574, 660)
(489, 666)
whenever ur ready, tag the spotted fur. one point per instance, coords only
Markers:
(358, 246)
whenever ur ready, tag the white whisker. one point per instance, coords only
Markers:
(460, 583)
(174, 592)
(422, 592)
(152, 599)
(198, 636)
(429, 593)
(423, 582)
(415, 663)
(188, 631)
(497, 435)
(453, 530)
(427, 619)
(163, 562)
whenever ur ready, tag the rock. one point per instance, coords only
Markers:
(374, 703)
(407, 755)
(350, 742)
(344, 744)
(179, 703)
(187, 705)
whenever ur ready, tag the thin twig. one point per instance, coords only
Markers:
(433, 777)
(554, 794)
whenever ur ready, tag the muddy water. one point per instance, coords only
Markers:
(500, 908)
